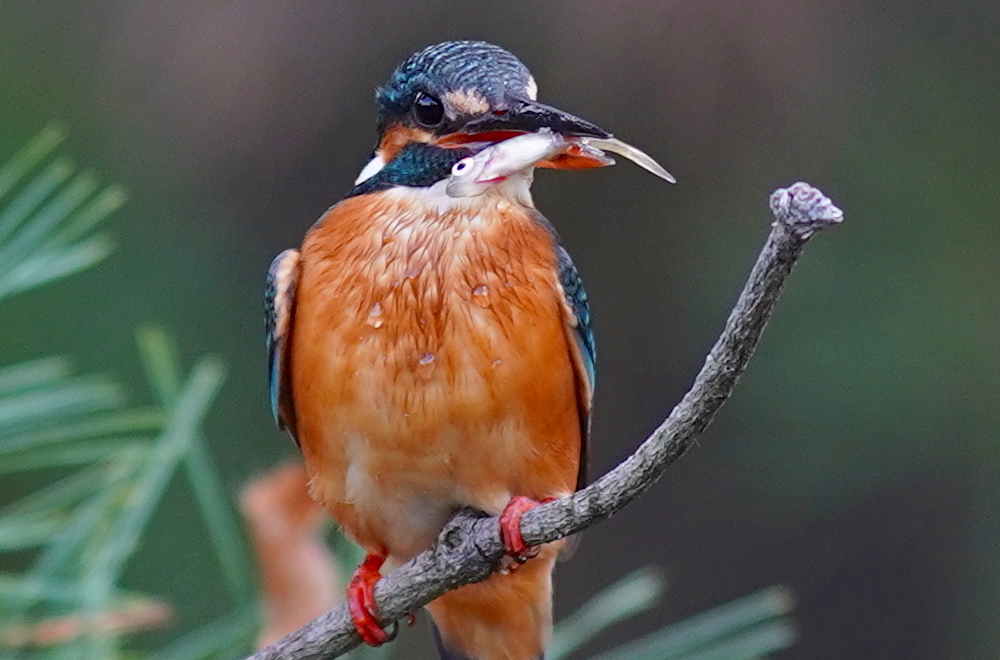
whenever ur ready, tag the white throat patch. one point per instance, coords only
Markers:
(373, 167)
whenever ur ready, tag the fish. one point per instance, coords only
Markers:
(474, 175)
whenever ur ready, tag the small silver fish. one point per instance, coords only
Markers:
(474, 175)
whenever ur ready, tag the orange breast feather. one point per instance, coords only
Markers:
(430, 365)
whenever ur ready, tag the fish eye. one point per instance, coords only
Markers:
(427, 110)
(461, 166)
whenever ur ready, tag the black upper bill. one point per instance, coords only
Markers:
(530, 116)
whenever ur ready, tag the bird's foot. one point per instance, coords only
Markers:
(510, 531)
(361, 601)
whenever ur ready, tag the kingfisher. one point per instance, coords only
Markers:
(430, 343)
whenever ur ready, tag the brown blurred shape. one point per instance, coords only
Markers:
(298, 571)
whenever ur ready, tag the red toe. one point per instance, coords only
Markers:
(361, 601)
(510, 527)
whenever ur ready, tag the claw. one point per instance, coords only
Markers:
(361, 601)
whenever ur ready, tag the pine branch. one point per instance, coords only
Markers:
(469, 548)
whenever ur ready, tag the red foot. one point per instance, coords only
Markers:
(510, 527)
(361, 601)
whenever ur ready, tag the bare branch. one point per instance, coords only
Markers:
(469, 548)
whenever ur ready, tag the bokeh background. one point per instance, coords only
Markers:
(857, 463)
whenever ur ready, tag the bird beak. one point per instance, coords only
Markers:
(525, 116)
(530, 116)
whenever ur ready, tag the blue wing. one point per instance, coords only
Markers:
(577, 312)
(279, 305)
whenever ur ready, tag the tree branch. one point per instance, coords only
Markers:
(469, 548)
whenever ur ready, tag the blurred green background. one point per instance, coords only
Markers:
(858, 461)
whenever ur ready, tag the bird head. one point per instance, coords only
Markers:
(456, 98)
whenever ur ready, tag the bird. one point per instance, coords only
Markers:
(432, 350)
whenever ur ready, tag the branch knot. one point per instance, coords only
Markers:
(804, 209)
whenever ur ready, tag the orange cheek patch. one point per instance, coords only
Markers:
(397, 137)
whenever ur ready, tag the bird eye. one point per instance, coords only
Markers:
(427, 110)
(461, 166)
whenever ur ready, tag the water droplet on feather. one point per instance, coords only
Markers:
(375, 316)
(480, 295)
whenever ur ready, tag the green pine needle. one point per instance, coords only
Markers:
(80, 452)
(160, 357)
(27, 375)
(20, 534)
(632, 595)
(71, 398)
(223, 638)
(29, 156)
(149, 485)
(61, 496)
(45, 223)
(715, 629)
(136, 420)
